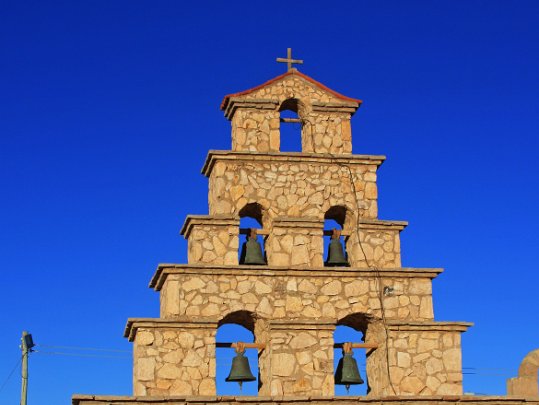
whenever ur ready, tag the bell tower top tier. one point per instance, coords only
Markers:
(324, 115)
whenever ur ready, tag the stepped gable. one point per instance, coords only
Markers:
(292, 301)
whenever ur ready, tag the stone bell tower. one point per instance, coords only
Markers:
(293, 302)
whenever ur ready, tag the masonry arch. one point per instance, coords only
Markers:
(337, 218)
(291, 119)
(238, 326)
(252, 217)
(376, 370)
(352, 328)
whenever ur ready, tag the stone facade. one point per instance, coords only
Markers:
(173, 358)
(311, 400)
(293, 304)
(277, 293)
(324, 114)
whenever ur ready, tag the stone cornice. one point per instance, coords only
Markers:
(223, 220)
(428, 326)
(259, 104)
(163, 270)
(133, 324)
(79, 399)
(288, 157)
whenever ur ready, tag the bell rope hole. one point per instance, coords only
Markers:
(344, 334)
(252, 246)
(235, 327)
(334, 244)
(290, 126)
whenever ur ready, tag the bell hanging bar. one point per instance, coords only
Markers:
(259, 346)
(247, 231)
(357, 345)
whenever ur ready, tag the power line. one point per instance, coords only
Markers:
(82, 355)
(85, 348)
(11, 374)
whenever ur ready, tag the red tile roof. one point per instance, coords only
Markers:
(292, 72)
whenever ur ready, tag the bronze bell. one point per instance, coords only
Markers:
(336, 255)
(240, 371)
(347, 372)
(251, 251)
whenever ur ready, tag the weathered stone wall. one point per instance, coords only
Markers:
(212, 239)
(327, 133)
(295, 242)
(255, 130)
(301, 359)
(325, 118)
(174, 361)
(278, 294)
(311, 400)
(289, 186)
(425, 361)
(379, 247)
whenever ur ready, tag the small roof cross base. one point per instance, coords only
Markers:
(289, 61)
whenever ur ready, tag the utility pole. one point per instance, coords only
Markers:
(26, 347)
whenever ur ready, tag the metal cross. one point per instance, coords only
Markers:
(289, 61)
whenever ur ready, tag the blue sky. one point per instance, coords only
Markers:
(107, 111)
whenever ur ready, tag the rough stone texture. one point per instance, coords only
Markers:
(325, 118)
(206, 291)
(425, 360)
(301, 359)
(254, 130)
(174, 361)
(293, 304)
(526, 384)
(393, 400)
(295, 242)
(212, 240)
(290, 185)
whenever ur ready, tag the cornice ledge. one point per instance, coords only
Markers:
(221, 219)
(164, 269)
(396, 399)
(300, 157)
(457, 326)
(259, 103)
(133, 324)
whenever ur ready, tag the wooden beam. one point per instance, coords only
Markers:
(357, 346)
(291, 120)
(329, 232)
(259, 346)
(247, 231)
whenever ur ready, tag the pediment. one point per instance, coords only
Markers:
(291, 85)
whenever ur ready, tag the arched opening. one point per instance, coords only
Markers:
(251, 224)
(352, 329)
(290, 126)
(334, 242)
(235, 327)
